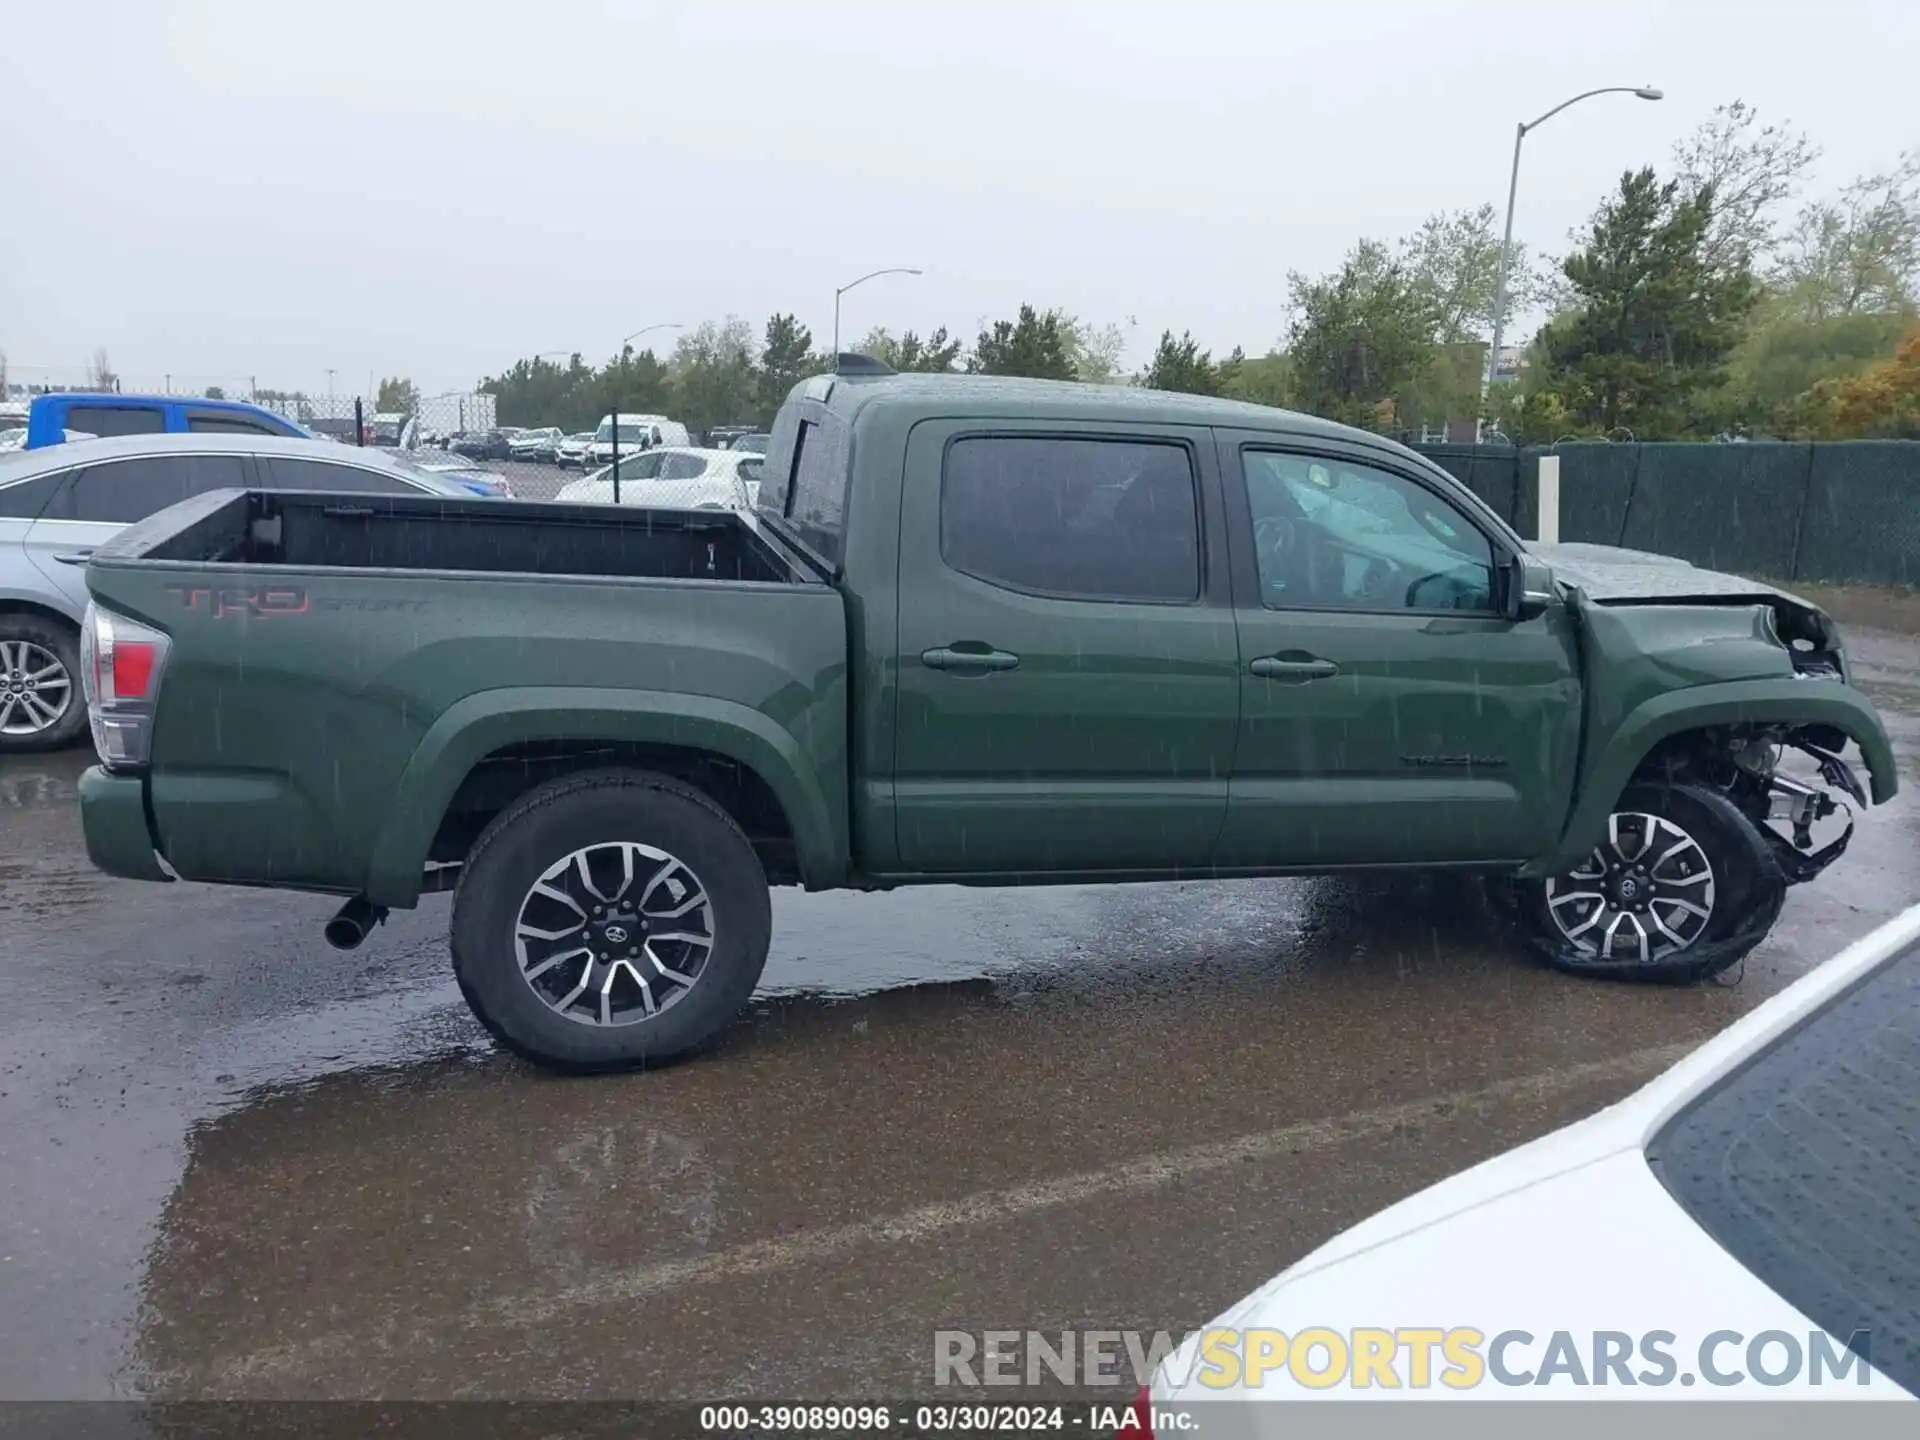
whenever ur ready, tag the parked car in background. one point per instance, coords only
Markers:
(539, 447)
(482, 445)
(636, 432)
(680, 477)
(394, 430)
(461, 471)
(59, 502)
(13, 439)
(51, 418)
(1762, 1186)
(571, 452)
(754, 444)
(721, 437)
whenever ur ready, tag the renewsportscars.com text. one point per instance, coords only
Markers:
(1460, 1358)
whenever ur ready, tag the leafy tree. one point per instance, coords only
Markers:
(1038, 344)
(1751, 170)
(714, 374)
(1454, 260)
(935, 354)
(214, 392)
(1183, 366)
(397, 397)
(1859, 251)
(1096, 350)
(633, 384)
(1648, 343)
(1260, 379)
(1785, 354)
(786, 358)
(539, 392)
(1360, 336)
(1882, 402)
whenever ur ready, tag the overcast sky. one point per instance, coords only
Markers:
(223, 189)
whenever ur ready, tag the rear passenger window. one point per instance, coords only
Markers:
(282, 473)
(108, 420)
(682, 467)
(25, 499)
(1072, 517)
(817, 495)
(123, 491)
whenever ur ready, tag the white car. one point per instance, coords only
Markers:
(571, 452)
(634, 433)
(682, 477)
(536, 445)
(1745, 1227)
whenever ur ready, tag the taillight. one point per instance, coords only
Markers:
(121, 662)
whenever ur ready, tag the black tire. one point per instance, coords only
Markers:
(63, 642)
(602, 807)
(1748, 886)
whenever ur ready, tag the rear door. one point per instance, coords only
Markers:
(1391, 714)
(96, 502)
(1068, 679)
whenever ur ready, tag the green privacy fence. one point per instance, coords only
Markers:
(1846, 512)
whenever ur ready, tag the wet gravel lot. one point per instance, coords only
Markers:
(236, 1163)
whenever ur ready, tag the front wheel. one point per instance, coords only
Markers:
(1683, 886)
(610, 920)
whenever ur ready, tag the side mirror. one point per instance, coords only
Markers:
(1530, 592)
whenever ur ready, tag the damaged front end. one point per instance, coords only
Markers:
(1773, 799)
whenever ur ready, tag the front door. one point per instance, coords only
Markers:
(1390, 713)
(1067, 670)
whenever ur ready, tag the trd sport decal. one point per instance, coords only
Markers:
(271, 602)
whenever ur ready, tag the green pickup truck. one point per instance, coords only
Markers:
(979, 631)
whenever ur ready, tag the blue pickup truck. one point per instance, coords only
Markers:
(55, 418)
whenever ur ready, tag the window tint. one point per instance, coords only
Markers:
(682, 467)
(1098, 519)
(641, 467)
(25, 499)
(281, 473)
(817, 494)
(106, 420)
(1801, 1165)
(1337, 535)
(204, 424)
(123, 491)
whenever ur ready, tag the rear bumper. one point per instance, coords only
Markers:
(113, 814)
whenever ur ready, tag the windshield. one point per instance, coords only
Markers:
(752, 444)
(1801, 1164)
(631, 432)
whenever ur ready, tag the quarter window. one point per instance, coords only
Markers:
(1339, 535)
(25, 499)
(1074, 517)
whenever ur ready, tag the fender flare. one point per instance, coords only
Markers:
(491, 719)
(1740, 702)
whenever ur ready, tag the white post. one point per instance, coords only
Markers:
(1548, 526)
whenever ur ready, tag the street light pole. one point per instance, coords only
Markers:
(1644, 92)
(875, 275)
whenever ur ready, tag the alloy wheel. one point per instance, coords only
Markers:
(1642, 897)
(614, 933)
(35, 688)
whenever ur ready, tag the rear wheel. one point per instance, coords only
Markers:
(1683, 886)
(610, 920)
(41, 707)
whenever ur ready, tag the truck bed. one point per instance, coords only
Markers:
(407, 533)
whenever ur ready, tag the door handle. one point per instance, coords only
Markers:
(1272, 668)
(946, 658)
(75, 557)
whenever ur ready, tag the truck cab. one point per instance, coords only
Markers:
(109, 415)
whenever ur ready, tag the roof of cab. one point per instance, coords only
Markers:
(959, 394)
